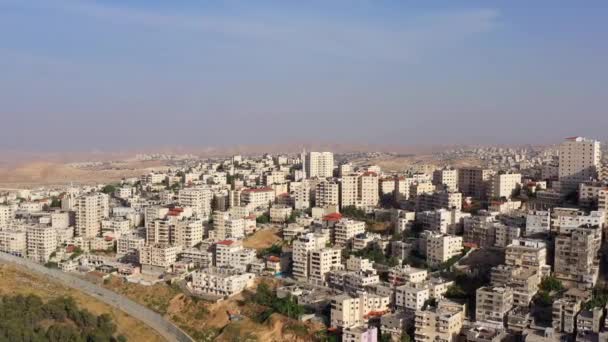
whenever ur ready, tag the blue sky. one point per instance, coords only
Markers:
(77, 74)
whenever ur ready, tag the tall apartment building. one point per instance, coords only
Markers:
(446, 178)
(319, 164)
(41, 242)
(579, 160)
(359, 190)
(227, 225)
(90, 210)
(528, 254)
(480, 230)
(440, 248)
(346, 229)
(199, 199)
(440, 323)
(349, 310)
(474, 181)
(493, 303)
(322, 261)
(576, 255)
(327, 194)
(6, 216)
(349, 190)
(367, 189)
(523, 282)
(300, 194)
(189, 232)
(564, 312)
(302, 247)
(505, 185)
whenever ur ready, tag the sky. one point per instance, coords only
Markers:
(113, 74)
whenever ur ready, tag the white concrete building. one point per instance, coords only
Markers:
(319, 164)
(327, 194)
(538, 222)
(440, 248)
(446, 178)
(322, 261)
(13, 241)
(41, 242)
(505, 185)
(199, 199)
(350, 311)
(346, 229)
(90, 210)
(224, 282)
(579, 160)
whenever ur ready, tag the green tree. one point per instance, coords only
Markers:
(108, 189)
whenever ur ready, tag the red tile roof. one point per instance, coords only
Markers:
(225, 242)
(332, 217)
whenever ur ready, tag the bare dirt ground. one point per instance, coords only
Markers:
(203, 319)
(34, 174)
(263, 238)
(14, 280)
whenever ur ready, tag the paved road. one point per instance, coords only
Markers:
(157, 322)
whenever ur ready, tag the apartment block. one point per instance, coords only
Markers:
(90, 210)
(528, 254)
(579, 160)
(346, 229)
(505, 234)
(564, 313)
(412, 296)
(319, 164)
(493, 303)
(474, 181)
(158, 256)
(400, 275)
(353, 310)
(446, 178)
(224, 282)
(254, 198)
(538, 222)
(199, 199)
(576, 255)
(322, 261)
(442, 220)
(327, 194)
(505, 185)
(231, 253)
(440, 323)
(523, 282)
(13, 241)
(41, 242)
(440, 248)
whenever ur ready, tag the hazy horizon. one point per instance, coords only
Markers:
(111, 75)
